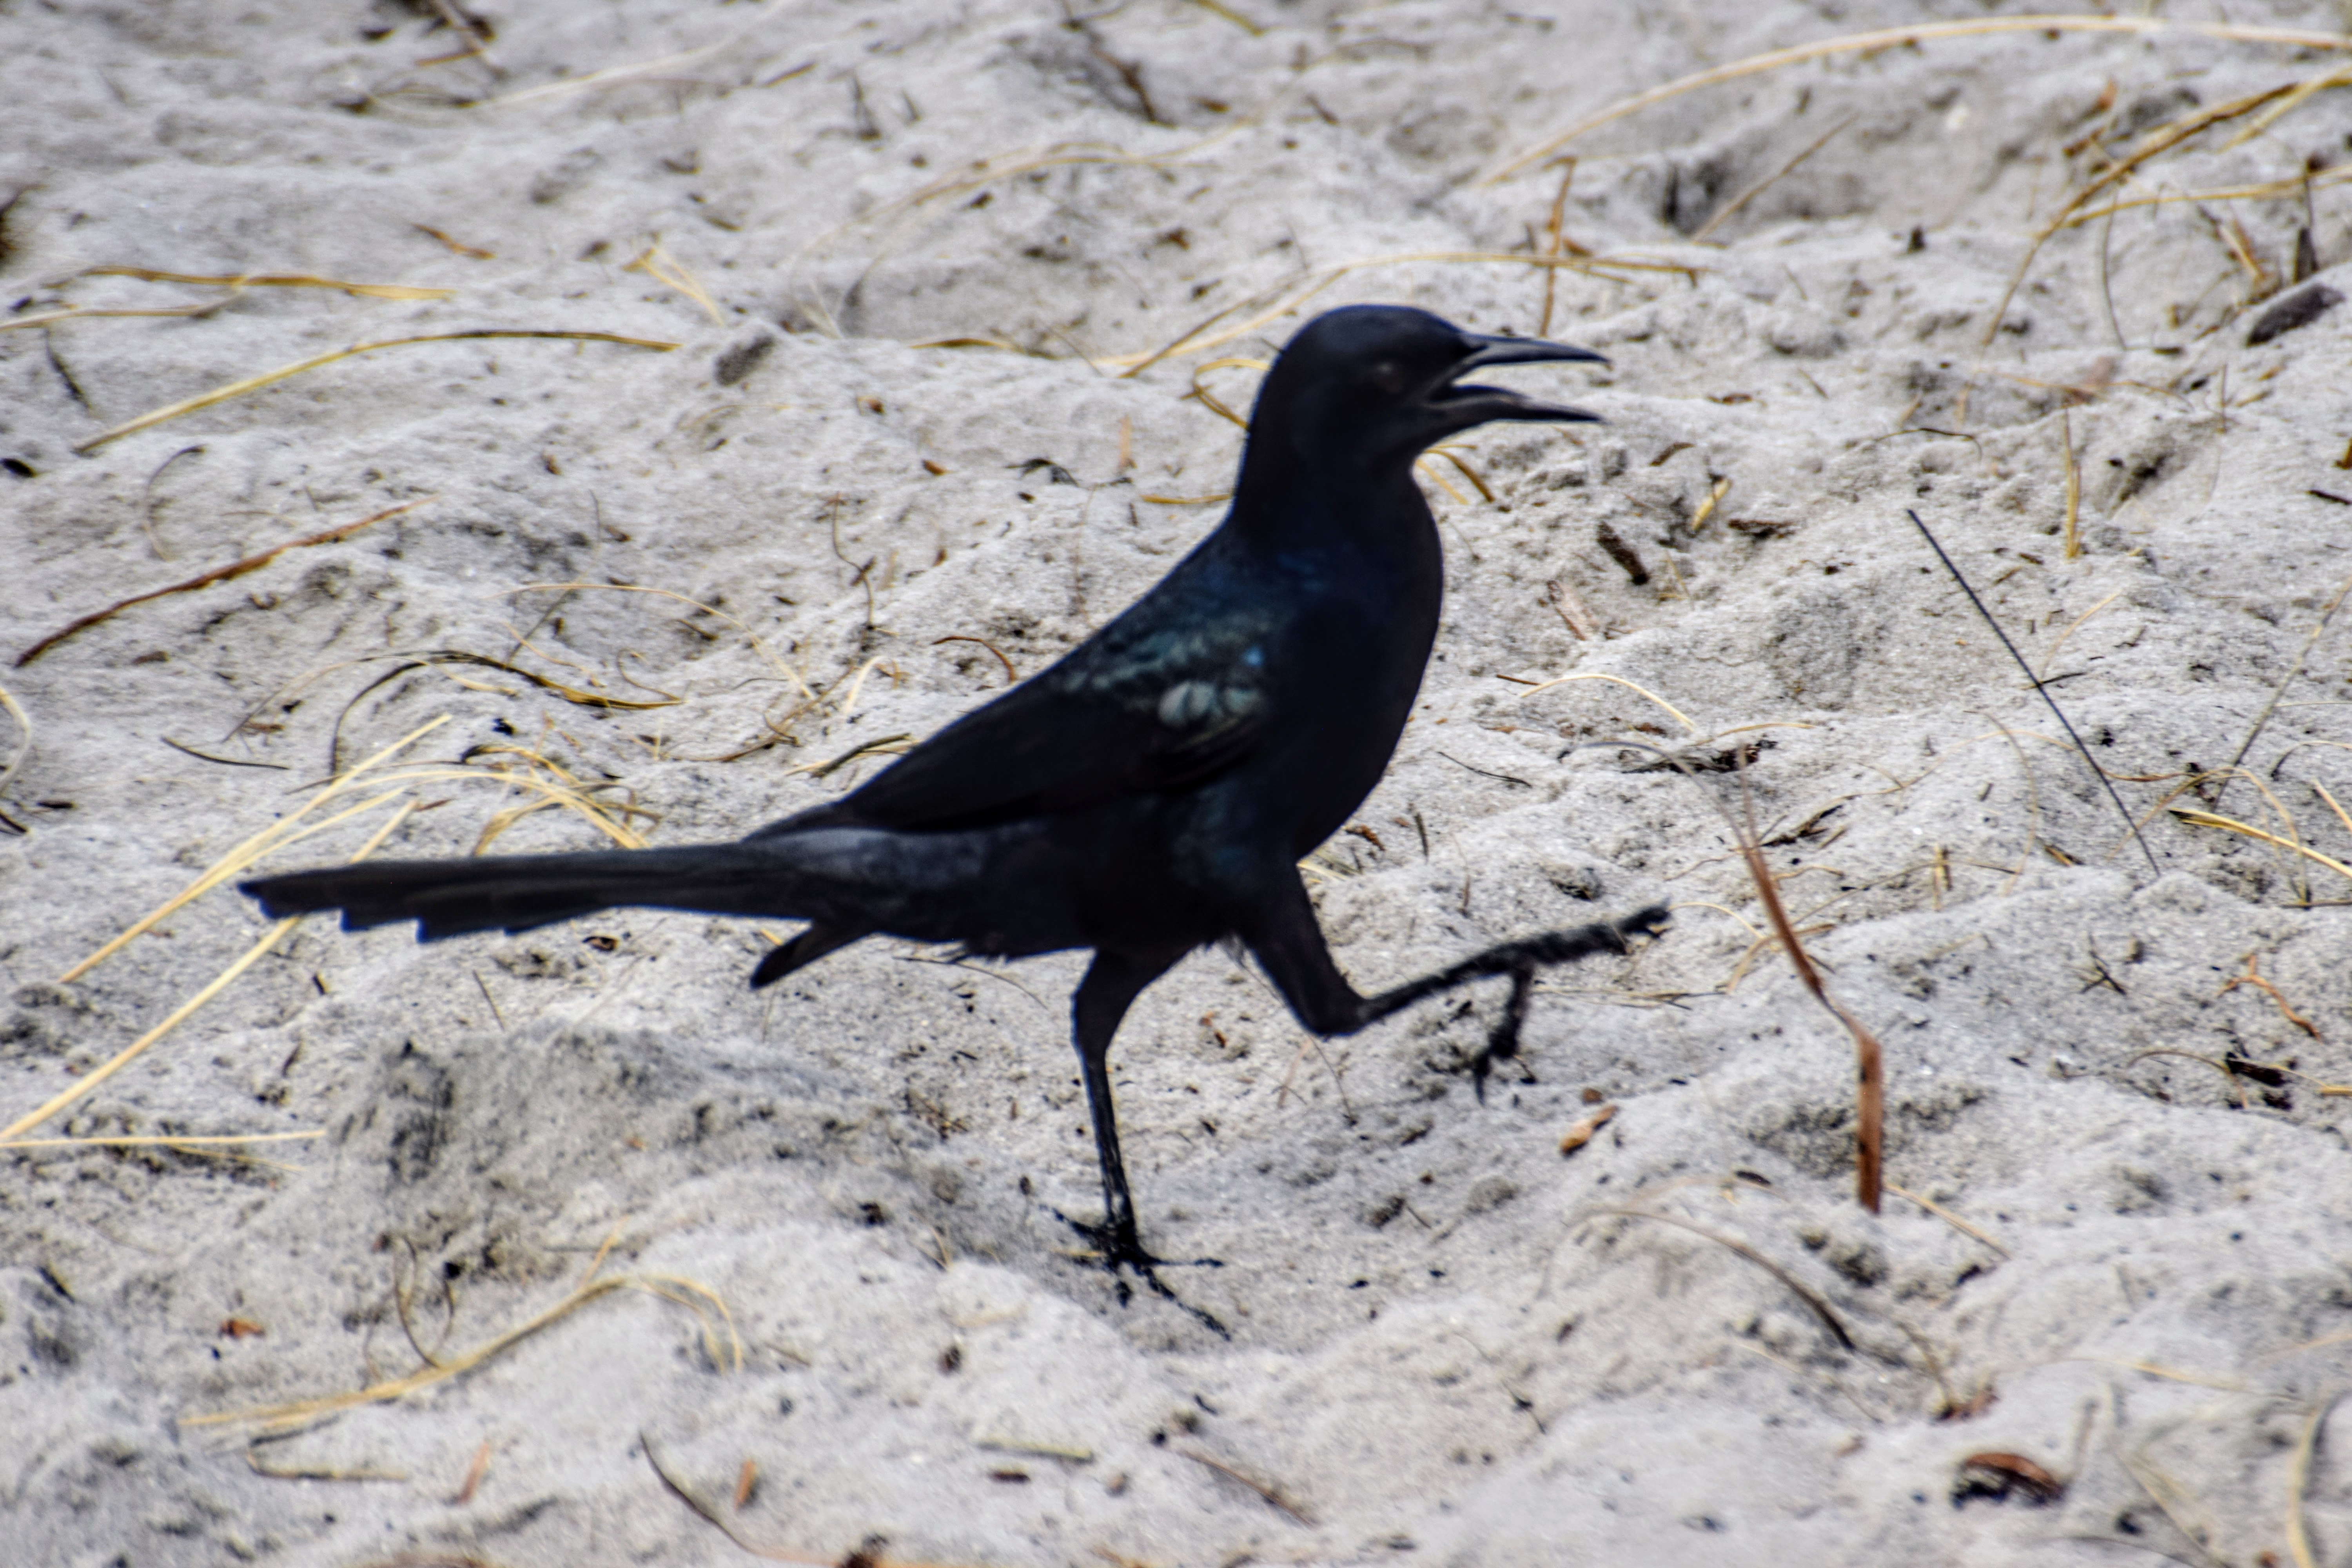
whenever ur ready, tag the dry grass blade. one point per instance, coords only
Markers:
(1266, 1490)
(2051, 657)
(1731, 209)
(1292, 293)
(77, 313)
(715, 1518)
(2266, 189)
(1949, 1218)
(555, 688)
(2050, 703)
(221, 983)
(300, 1411)
(561, 790)
(2324, 1341)
(1486, 492)
(1011, 676)
(271, 377)
(987, 171)
(2262, 719)
(1219, 8)
(2286, 818)
(610, 76)
(2228, 1074)
(277, 835)
(477, 46)
(2341, 814)
(718, 1521)
(272, 280)
(1796, 1287)
(2181, 1506)
(24, 743)
(217, 574)
(1904, 37)
(2298, 1481)
(1210, 400)
(971, 340)
(887, 745)
(663, 267)
(460, 246)
(1708, 502)
(2163, 138)
(1679, 716)
(163, 1141)
(1070, 1451)
(1427, 466)
(1870, 1065)
(2168, 1373)
(781, 667)
(2210, 819)
(362, 1473)
(2304, 93)
(2072, 533)
(2255, 978)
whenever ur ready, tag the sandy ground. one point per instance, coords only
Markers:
(842, 1318)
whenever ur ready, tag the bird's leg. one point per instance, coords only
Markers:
(1112, 983)
(1289, 942)
(1502, 1040)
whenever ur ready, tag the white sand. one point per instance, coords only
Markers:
(1440, 1353)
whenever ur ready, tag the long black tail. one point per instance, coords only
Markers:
(519, 892)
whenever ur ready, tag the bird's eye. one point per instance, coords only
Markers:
(1389, 376)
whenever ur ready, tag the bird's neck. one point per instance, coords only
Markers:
(1338, 502)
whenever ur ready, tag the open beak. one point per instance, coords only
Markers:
(1501, 403)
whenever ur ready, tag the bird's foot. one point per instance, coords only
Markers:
(1503, 1041)
(1116, 1244)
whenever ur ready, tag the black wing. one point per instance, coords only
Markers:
(1139, 709)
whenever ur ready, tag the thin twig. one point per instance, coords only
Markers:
(217, 574)
(2050, 701)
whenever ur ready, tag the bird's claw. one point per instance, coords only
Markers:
(1118, 1247)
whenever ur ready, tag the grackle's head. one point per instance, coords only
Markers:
(1383, 382)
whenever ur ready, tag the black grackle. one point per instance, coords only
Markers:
(1153, 792)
